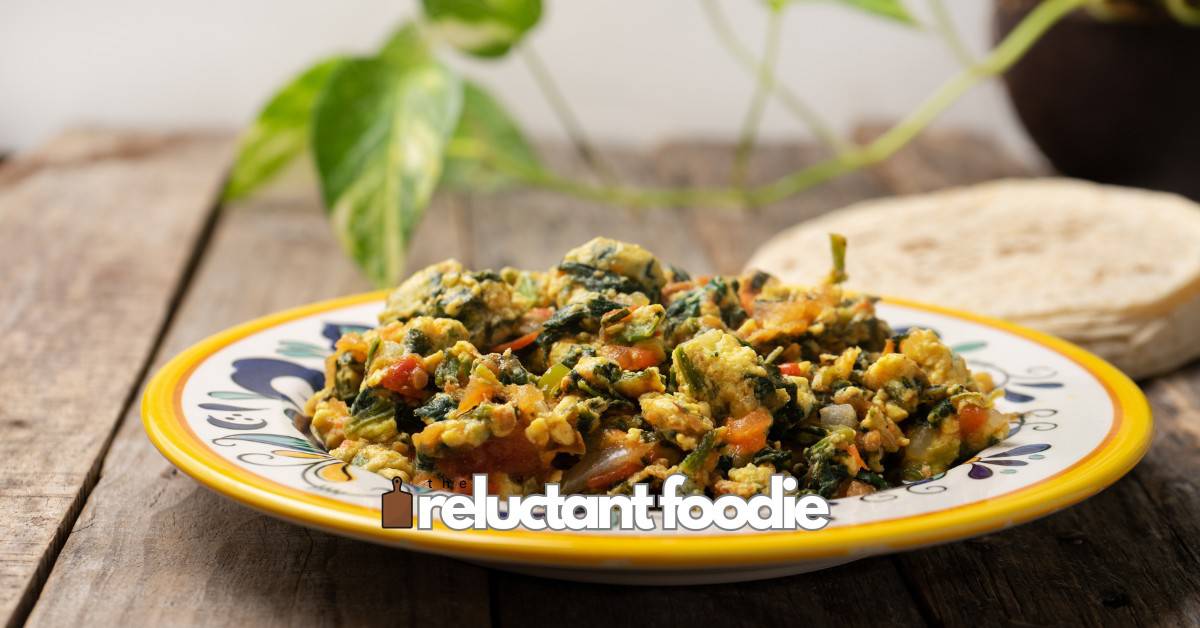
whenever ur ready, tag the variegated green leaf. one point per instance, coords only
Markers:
(406, 46)
(280, 133)
(379, 135)
(485, 135)
(484, 28)
(891, 9)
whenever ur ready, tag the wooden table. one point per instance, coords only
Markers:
(115, 256)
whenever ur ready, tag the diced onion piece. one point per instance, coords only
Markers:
(839, 414)
(601, 468)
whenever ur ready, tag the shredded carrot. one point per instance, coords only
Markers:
(853, 451)
(676, 286)
(746, 296)
(519, 343)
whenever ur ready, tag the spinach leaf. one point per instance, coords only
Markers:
(641, 325)
(694, 465)
(371, 406)
(407, 419)
(685, 306)
(454, 368)
(566, 321)
(781, 459)
(724, 295)
(940, 411)
(512, 371)
(416, 341)
(597, 279)
(691, 375)
(347, 377)
(679, 274)
(870, 477)
(574, 318)
(827, 462)
(436, 409)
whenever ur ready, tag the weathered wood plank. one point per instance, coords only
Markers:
(865, 593)
(98, 231)
(1124, 557)
(152, 547)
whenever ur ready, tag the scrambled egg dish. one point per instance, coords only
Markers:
(614, 368)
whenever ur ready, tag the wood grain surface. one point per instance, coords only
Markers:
(98, 231)
(150, 546)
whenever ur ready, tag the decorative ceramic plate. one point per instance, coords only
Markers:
(223, 410)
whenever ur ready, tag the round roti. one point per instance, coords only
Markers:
(1114, 269)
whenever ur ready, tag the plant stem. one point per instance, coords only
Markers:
(1184, 12)
(554, 97)
(1002, 57)
(945, 27)
(758, 102)
(792, 102)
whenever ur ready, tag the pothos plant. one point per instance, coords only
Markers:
(386, 130)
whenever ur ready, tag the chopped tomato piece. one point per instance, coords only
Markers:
(478, 390)
(748, 434)
(791, 368)
(971, 419)
(540, 314)
(406, 376)
(635, 358)
(512, 454)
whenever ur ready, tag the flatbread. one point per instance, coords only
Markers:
(1115, 269)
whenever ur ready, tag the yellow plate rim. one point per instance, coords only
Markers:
(1126, 443)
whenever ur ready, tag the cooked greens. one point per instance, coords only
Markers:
(614, 368)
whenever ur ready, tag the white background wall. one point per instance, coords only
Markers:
(636, 70)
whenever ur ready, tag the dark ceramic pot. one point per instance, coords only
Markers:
(1112, 102)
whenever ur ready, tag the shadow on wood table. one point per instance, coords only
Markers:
(98, 529)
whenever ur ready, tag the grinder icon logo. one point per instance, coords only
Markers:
(397, 506)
